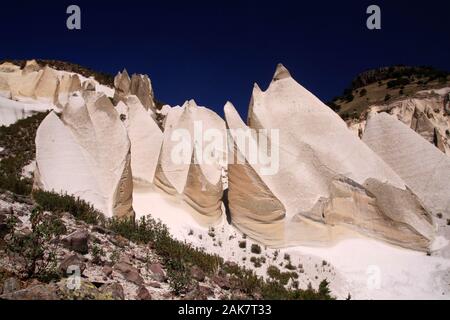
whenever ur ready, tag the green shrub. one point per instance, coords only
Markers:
(36, 248)
(97, 254)
(178, 276)
(255, 248)
(242, 244)
(80, 209)
(18, 140)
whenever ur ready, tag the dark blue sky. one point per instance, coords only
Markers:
(214, 50)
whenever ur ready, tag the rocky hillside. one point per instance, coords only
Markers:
(386, 85)
(102, 77)
(417, 96)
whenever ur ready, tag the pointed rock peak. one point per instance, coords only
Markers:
(281, 73)
(191, 104)
(30, 63)
(229, 108)
(256, 88)
(125, 73)
(31, 66)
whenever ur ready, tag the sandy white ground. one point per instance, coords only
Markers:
(12, 111)
(362, 267)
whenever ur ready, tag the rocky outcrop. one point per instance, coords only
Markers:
(43, 84)
(424, 168)
(86, 153)
(67, 85)
(46, 86)
(322, 169)
(425, 113)
(138, 85)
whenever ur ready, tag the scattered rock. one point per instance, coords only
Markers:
(107, 270)
(4, 229)
(197, 273)
(38, 292)
(158, 273)
(113, 289)
(101, 230)
(222, 281)
(11, 284)
(119, 241)
(156, 285)
(85, 291)
(77, 241)
(129, 272)
(207, 291)
(143, 294)
(72, 261)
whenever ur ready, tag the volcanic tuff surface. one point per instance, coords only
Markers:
(113, 147)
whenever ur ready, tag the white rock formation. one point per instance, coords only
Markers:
(40, 88)
(323, 170)
(424, 168)
(86, 153)
(138, 85)
(46, 86)
(190, 164)
(67, 85)
(146, 139)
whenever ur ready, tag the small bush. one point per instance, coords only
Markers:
(290, 266)
(242, 244)
(282, 277)
(178, 276)
(363, 92)
(257, 262)
(37, 248)
(97, 254)
(256, 249)
(59, 203)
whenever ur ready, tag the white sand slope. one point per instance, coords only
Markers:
(11, 111)
(361, 267)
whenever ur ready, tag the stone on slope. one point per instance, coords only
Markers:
(314, 152)
(424, 168)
